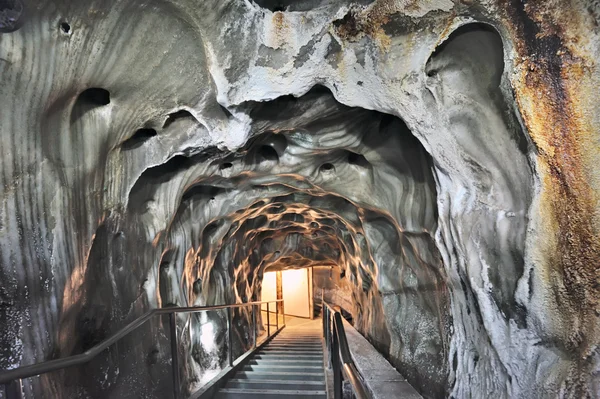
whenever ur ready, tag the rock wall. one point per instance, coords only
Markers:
(441, 155)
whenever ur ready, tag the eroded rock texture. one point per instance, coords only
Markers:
(440, 156)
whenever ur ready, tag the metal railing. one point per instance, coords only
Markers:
(12, 379)
(340, 360)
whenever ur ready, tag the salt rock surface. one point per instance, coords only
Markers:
(440, 156)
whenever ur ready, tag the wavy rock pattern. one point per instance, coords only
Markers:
(441, 156)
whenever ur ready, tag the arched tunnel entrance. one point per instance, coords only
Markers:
(319, 184)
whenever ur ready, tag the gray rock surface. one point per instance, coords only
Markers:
(441, 155)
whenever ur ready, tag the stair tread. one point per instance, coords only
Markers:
(292, 352)
(301, 341)
(274, 362)
(294, 348)
(261, 372)
(283, 382)
(267, 367)
(287, 355)
(289, 366)
(272, 391)
(291, 355)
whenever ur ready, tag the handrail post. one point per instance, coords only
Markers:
(174, 355)
(276, 316)
(14, 389)
(229, 337)
(9, 379)
(323, 322)
(254, 335)
(283, 311)
(268, 322)
(336, 365)
(328, 338)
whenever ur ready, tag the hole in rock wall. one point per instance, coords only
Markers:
(358, 160)
(268, 153)
(327, 167)
(94, 97)
(138, 139)
(65, 28)
(176, 116)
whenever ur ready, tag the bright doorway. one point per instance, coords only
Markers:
(294, 287)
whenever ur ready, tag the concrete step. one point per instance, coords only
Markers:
(278, 351)
(294, 347)
(292, 342)
(297, 385)
(230, 393)
(276, 362)
(287, 356)
(280, 375)
(287, 367)
(274, 342)
(299, 335)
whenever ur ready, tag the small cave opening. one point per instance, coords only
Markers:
(138, 139)
(178, 116)
(268, 153)
(89, 100)
(65, 28)
(358, 160)
(202, 192)
(94, 96)
(327, 167)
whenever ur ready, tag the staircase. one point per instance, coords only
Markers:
(290, 366)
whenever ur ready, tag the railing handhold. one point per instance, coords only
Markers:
(229, 337)
(340, 358)
(10, 380)
(174, 355)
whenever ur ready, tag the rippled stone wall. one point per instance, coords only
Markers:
(440, 155)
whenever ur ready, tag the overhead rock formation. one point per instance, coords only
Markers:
(439, 155)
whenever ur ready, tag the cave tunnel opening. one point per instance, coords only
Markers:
(346, 193)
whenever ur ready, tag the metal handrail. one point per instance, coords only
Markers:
(338, 349)
(9, 376)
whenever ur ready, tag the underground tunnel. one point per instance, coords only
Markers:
(427, 168)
